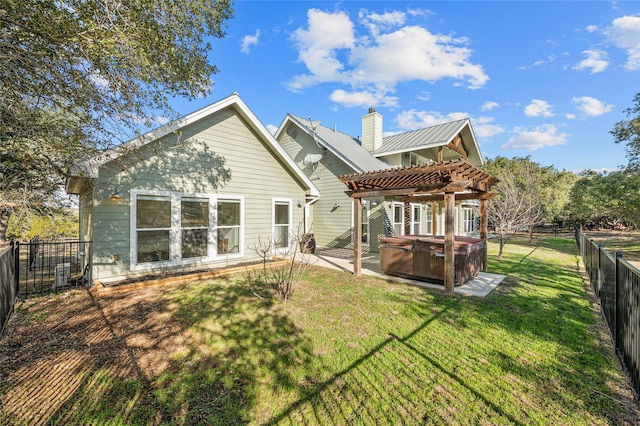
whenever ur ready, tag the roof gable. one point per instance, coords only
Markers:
(343, 146)
(90, 168)
(433, 136)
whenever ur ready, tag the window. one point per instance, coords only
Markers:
(398, 219)
(194, 221)
(153, 225)
(228, 226)
(365, 221)
(416, 218)
(471, 219)
(174, 228)
(281, 223)
(429, 220)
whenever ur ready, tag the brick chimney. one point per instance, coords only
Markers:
(372, 130)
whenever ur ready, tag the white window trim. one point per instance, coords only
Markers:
(428, 212)
(393, 217)
(288, 201)
(419, 207)
(175, 247)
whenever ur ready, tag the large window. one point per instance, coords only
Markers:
(194, 221)
(281, 223)
(153, 224)
(176, 228)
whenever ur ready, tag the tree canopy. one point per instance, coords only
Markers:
(77, 77)
(628, 132)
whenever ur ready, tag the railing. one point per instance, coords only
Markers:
(8, 289)
(616, 283)
(49, 266)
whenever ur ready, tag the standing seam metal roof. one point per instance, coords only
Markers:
(440, 134)
(344, 146)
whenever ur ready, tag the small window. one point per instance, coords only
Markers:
(416, 219)
(429, 220)
(398, 219)
(228, 226)
(281, 223)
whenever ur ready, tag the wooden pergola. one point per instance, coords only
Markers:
(448, 181)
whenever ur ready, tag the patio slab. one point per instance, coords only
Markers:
(342, 260)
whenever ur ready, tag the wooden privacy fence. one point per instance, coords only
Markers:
(8, 283)
(616, 283)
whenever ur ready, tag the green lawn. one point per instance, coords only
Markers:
(361, 350)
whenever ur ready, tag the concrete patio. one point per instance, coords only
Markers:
(342, 259)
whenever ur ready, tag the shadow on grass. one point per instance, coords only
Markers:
(235, 343)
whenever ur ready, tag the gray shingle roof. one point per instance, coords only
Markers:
(440, 134)
(344, 146)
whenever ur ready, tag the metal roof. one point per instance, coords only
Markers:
(433, 136)
(344, 146)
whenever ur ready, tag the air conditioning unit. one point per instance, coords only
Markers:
(63, 273)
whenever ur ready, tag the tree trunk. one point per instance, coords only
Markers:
(501, 244)
(530, 234)
(4, 223)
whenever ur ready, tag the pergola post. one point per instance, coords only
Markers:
(357, 236)
(484, 225)
(449, 232)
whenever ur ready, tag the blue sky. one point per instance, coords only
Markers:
(546, 79)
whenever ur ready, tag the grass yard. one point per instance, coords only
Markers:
(343, 350)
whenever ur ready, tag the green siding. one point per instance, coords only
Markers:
(192, 162)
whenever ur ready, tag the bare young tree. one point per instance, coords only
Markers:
(517, 207)
(279, 279)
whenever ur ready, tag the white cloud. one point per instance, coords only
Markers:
(489, 105)
(570, 116)
(378, 62)
(318, 45)
(272, 129)
(591, 106)
(538, 108)
(624, 33)
(376, 22)
(539, 137)
(596, 61)
(248, 41)
(414, 119)
(483, 127)
(362, 98)
(591, 28)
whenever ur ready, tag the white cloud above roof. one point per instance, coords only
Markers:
(538, 108)
(413, 119)
(248, 41)
(362, 98)
(591, 106)
(489, 105)
(624, 33)
(596, 61)
(536, 138)
(389, 54)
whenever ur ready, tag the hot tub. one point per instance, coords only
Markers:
(422, 257)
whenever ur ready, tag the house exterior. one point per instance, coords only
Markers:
(324, 154)
(197, 193)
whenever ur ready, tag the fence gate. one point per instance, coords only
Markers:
(50, 266)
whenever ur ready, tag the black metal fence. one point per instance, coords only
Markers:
(8, 288)
(49, 266)
(616, 283)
